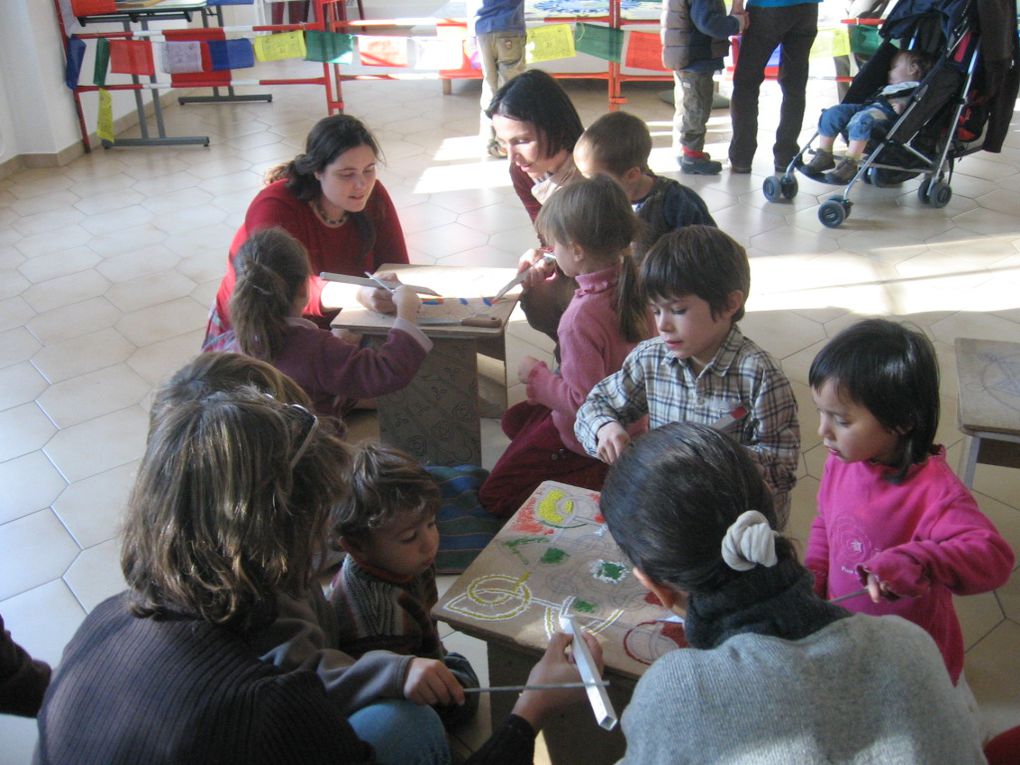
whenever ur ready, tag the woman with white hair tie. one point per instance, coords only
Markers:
(774, 674)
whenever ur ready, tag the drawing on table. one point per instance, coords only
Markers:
(555, 558)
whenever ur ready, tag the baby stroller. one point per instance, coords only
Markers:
(963, 105)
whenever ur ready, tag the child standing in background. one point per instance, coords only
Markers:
(618, 144)
(589, 225)
(386, 588)
(272, 274)
(695, 39)
(700, 368)
(892, 515)
(499, 31)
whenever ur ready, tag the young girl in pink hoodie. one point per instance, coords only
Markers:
(589, 225)
(892, 515)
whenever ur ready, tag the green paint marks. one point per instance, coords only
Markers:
(554, 555)
(608, 571)
(515, 545)
(583, 606)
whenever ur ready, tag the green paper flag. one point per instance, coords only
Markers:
(329, 47)
(102, 61)
(601, 42)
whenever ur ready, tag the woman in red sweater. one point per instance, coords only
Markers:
(329, 200)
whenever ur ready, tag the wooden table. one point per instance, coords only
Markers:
(988, 373)
(436, 418)
(555, 558)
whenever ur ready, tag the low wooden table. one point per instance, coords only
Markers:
(437, 418)
(988, 372)
(555, 558)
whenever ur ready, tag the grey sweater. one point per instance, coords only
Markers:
(860, 690)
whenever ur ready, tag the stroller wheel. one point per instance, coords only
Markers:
(788, 186)
(833, 212)
(939, 194)
(922, 190)
(771, 189)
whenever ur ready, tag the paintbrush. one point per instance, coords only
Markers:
(850, 595)
(536, 687)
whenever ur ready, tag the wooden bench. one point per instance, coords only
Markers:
(988, 372)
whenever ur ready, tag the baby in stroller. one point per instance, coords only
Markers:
(908, 68)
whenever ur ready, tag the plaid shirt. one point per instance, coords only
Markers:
(655, 382)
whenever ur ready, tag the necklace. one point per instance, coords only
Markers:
(321, 212)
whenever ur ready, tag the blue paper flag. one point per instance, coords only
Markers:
(75, 54)
(231, 54)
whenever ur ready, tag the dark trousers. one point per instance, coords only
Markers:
(794, 27)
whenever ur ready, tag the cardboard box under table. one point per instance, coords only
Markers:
(436, 417)
(555, 558)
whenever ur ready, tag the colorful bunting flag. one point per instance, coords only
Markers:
(93, 7)
(104, 123)
(102, 62)
(435, 54)
(329, 47)
(549, 42)
(181, 57)
(599, 41)
(75, 55)
(280, 46)
(231, 54)
(378, 50)
(131, 57)
(230, 2)
(830, 43)
(644, 51)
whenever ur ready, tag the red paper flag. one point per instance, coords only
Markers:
(131, 57)
(92, 7)
(644, 51)
(207, 77)
(382, 51)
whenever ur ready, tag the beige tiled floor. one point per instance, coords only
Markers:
(108, 265)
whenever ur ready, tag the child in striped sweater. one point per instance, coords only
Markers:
(386, 588)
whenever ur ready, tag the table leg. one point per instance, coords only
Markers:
(436, 417)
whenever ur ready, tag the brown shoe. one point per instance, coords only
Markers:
(820, 162)
(843, 174)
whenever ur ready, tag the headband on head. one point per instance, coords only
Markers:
(750, 541)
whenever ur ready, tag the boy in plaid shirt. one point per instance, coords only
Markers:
(700, 368)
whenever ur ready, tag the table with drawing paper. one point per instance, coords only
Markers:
(437, 418)
(554, 558)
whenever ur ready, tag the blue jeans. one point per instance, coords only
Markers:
(795, 27)
(857, 120)
(402, 733)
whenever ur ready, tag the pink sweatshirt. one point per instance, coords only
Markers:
(591, 349)
(925, 538)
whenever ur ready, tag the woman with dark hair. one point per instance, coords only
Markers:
(329, 200)
(777, 674)
(536, 122)
(221, 650)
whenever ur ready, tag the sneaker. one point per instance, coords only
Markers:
(819, 163)
(496, 150)
(699, 164)
(844, 172)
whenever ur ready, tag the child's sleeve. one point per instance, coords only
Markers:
(816, 560)
(582, 367)
(685, 207)
(299, 638)
(961, 550)
(775, 440)
(618, 398)
(366, 372)
(711, 19)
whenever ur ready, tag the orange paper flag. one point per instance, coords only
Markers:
(644, 51)
(92, 7)
(382, 51)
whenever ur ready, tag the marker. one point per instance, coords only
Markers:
(850, 595)
(539, 687)
(735, 416)
(381, 283)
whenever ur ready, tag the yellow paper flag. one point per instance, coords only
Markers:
(830, 43)
(283, 45)
(550, 42)
(104, 125)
